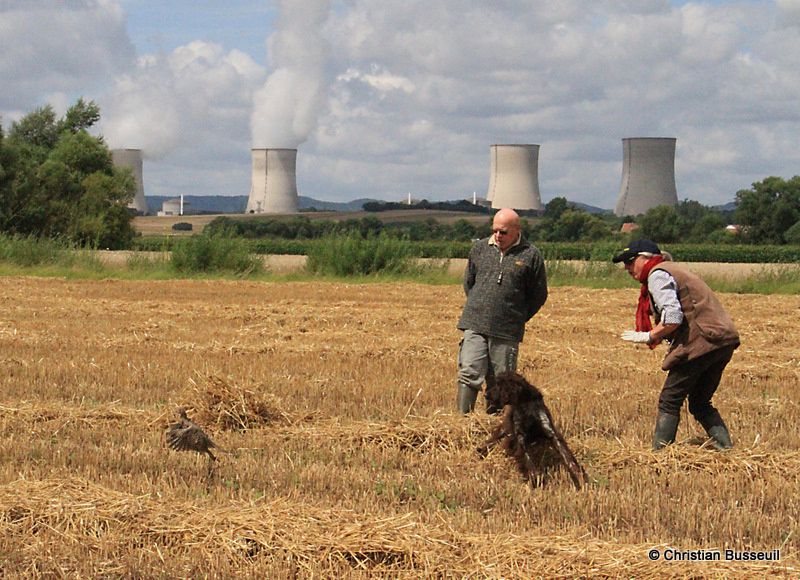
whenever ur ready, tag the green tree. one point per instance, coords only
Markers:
(80, 117)
(555, 207)
(768, 210)
(707, 224)
(660, 224)
(101, 214)
(792, 235)
(463, 231)
(39, 129)
(57, 180)
(575, 225)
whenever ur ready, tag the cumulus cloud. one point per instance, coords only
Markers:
(576, 78)
(286, 108)
(51, 50)
(196, 94)
(398, 96)
(789, 12)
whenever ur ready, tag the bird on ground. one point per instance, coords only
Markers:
(186, 435)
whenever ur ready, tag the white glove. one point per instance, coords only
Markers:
(636, 336)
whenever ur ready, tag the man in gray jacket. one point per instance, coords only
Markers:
(506, 284)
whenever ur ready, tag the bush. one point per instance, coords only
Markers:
(792, 235)
(726, 249)
(353, 256)
(214, 254)
(182, 227)
(31, 251)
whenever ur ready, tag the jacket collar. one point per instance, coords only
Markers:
(493, 242)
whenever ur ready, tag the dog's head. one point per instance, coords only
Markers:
(511, 388)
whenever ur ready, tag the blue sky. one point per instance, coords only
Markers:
(163, 26)
(397, 96)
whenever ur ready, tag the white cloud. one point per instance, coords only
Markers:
(407, 95)
(788, 12)
(51, 48)
(574, 78)
(193, 97)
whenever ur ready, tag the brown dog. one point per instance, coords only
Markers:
(526, 430)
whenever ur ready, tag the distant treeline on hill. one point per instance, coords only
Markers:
(769, 213)
(303, 228)
(461, 205)
(233, 204)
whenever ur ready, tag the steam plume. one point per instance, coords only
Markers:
(286, 108)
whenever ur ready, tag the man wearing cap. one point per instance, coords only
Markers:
(701, 335)
(506, 284)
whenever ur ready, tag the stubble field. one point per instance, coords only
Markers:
(347, 458)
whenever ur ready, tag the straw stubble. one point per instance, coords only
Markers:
(337, 401)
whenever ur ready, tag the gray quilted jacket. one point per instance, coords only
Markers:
(503, 291)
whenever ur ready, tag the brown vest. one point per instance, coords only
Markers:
(706, 326)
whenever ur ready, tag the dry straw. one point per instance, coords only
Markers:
(96, 529)
(338, 400)
(226, 405)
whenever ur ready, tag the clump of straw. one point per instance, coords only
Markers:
(229, 406)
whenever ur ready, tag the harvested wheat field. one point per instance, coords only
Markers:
(335, 404)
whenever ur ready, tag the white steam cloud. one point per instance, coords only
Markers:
(197, 93)
(286, 108)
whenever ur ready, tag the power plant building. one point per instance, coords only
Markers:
(648, 175)
(514, 178)
(273, 185)
(132, 158)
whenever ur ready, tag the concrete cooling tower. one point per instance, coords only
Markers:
(514, 179)
(273, 186)
(132, 158)
(648, 175)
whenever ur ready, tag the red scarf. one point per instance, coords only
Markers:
(643, 310)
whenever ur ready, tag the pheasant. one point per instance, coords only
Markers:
(186, 435)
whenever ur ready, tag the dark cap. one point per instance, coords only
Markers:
(635, 248)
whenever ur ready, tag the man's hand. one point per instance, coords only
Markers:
(636, 336)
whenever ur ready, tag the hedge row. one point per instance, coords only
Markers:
(600, 251)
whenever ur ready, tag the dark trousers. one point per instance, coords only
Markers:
(697, 379)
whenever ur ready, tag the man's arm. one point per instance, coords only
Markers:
(537, 286)
(469, 275)
(664, 291)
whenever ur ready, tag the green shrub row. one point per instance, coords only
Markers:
(214, 254)
(598, 251)
(354, 256)
(31, 251)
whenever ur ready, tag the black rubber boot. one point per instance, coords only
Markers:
(718, 431)
(466, 399)
(666, 428)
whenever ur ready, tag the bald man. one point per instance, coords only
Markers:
(506, 284)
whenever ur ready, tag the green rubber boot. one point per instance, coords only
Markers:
(718, 431)
(466, 399)
(666, 428)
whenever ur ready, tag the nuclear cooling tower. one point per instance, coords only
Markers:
(648, 175)
(273, 186)
(514, 179)
(132, 158)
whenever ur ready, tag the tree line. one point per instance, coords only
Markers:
(766, 214)
(58, 181)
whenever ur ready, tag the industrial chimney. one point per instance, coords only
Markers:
(132, 158)
(514, 180)
(273, 186)
(648, 175)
